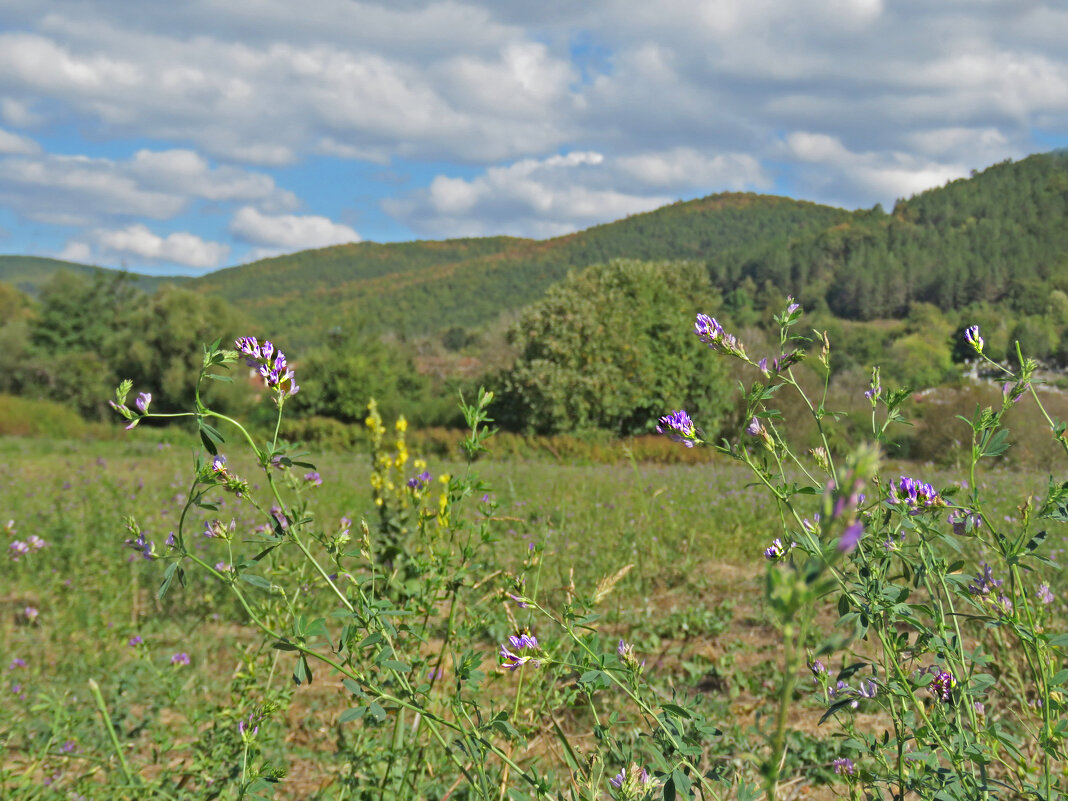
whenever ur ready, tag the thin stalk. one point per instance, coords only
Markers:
(94, 688)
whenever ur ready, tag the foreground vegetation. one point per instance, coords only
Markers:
(481, 629)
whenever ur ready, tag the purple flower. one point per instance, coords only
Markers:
(818, 668)
(1044, 595)
(17, 548)
(942, 685)
(31, 613)
(617, 780)
(250, 727)
(754, 428)
(851, 536)
(917, 495)
(135, 640)
(143, 401)
(984, 582)
(314, 479)
(710, 332)
(180, 658)
(17, 663)
(36, 542)
(679, 427)
(775, 551)
(420, 481)
(270, 363)
(844, 766)
(633, 781)
(971, 336)
(68, 747)
(515, 659)
(964, 521)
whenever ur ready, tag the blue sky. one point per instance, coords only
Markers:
(181, 138)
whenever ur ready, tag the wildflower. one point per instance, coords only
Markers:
(984, 581)
(754, 428)
(868, 688)
(180, 658)
(1013, 392)
(249, 727)
(144, 400)
(141, 543)
(844, 766)
(710, 332)
(135, 640)
(314, 479)
(964, 521)
(270, 363)
(218, 465)
(36, 542)
(775, 551)
(679, 427)
(215, 529)
(18, 548)
(222, 567)
(520, 642)
(817, 668)
(68, 747)
(851, 536)
(1044, 595)
(9, 528)
(31, 613)
(917, 495)
(971, 336)
(420, 481)
(942, 685)
(17, 663)
(632, 782)
(627, 657)
(875, 389)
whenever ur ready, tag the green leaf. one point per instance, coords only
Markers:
(352, 714)
(677, 711)
(256, 581)
(168, 577)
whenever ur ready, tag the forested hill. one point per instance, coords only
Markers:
(999, 236)
(30, 273)
(421, 287)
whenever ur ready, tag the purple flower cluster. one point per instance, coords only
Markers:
(710, 332)
(867, 689)
(964, 521)
(942, 685)
(985, 585)
(141, 543)
(775, 551)
(513, 660)
(917, 495)
(420, 481)
(1044, 594)
(633, 781)
(180, 658)
(18, 548)
(250, 727)
(844, 766)
(314, 478)
(144, 400)
(270, 363)
(679, 427)
(625, 651)
(971, 336)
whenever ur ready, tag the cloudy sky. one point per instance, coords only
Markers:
(182, 137)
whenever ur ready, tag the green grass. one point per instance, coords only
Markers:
(693, 533)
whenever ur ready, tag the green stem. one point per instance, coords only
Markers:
(94, 688)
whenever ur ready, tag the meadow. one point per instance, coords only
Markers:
(682, 644)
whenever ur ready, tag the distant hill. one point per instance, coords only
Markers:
(999, 236)
(30, 273)
(422, 287)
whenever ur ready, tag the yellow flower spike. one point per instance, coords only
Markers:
(402, 424)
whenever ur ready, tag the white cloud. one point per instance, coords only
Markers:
(138, 244)
(843, 173)
(14, 145)
(532, 197)
(77, 190)
(686, 167)
(289, 232)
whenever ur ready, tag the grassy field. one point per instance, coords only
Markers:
(82, 607)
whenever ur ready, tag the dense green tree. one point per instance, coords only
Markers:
(612, 348)
(352, 366)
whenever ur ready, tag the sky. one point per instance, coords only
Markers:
(178, 138)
